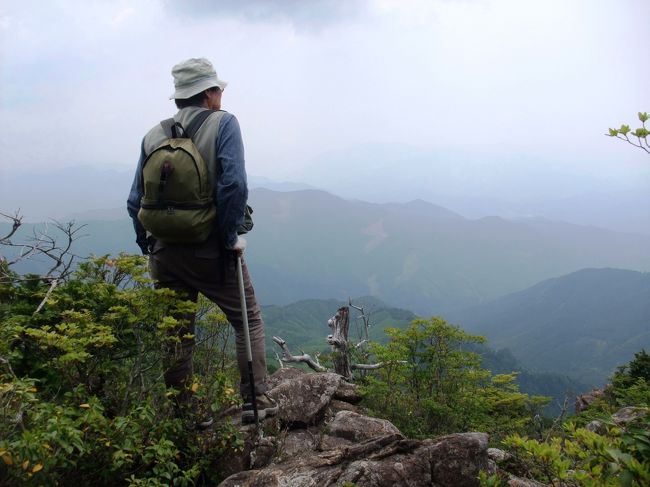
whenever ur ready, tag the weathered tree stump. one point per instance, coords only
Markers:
(340, 323)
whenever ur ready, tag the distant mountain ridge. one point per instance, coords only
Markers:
(416, 255)
(584, 324)
(98, 193)
(419, 256)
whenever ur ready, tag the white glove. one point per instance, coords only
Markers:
(240, 245)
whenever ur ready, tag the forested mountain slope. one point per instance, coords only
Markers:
(585, 323)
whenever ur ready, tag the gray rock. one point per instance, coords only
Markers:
(627, 415)
(519, 482)
(583, 401)
(348, 392)
(298, 442)
(329, 442)
(280, 375)
(264, 451)
(386, 461)
(457, 459)
(304, 397)
(366, 451)
(498, 455)
(335, 406)
(357, 427)
(596, 426)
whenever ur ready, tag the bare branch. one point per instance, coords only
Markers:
(53, 285)
(277, 357)
(43, 244)
(560, 418)
(305, 357)
(367, 366)
(16, 220)
(377, 365)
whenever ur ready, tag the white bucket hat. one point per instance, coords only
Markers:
(194, 76)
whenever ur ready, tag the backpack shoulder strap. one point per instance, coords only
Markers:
(167, 127)
(197, 121)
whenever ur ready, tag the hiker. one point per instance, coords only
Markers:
(190, 249)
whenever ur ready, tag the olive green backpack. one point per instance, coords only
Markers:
(177, 206)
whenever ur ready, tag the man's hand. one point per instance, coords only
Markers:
(146, 246)
(240, 246)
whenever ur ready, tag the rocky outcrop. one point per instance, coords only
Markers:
(628, 415)
(583, 401)
(319, 438)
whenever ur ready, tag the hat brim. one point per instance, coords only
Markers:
(196, 88)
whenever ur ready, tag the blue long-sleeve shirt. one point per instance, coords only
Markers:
(230, 190)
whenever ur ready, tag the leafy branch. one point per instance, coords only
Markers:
(641, 133)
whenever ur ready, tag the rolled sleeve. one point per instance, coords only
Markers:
(232, 188)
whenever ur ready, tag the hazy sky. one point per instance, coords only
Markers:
(484, 96)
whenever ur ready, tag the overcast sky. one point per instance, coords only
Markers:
(492, 96)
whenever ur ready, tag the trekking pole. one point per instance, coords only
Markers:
(247, 337)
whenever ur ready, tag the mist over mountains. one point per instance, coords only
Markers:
(89, 193)
(416, 255)
(419, 256)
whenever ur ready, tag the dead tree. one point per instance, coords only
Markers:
(342, 348)
(340, 323)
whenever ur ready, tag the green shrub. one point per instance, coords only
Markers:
(82, 400)
(430, 385)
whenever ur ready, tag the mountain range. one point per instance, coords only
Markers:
(86, 192)
(584, 324)
(418, 256)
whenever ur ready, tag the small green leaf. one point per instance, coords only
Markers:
(641, 133)
(643, 116)
(625, 129)
(613, 132)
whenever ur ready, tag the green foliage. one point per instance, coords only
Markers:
(616, 452)
(640, 133)
(431, 385)
(619, 456)
(81, 393)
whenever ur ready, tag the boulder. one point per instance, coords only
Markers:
(304, 397)
(298, 442)
(457, 459)
(628, 414)
(497, 455)
(317, 440)
(357, 427)
(386, 461)
(519, 482)
(335, 406)
(596, 426)
(284, 374)
(584, 400)
(348, 392)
